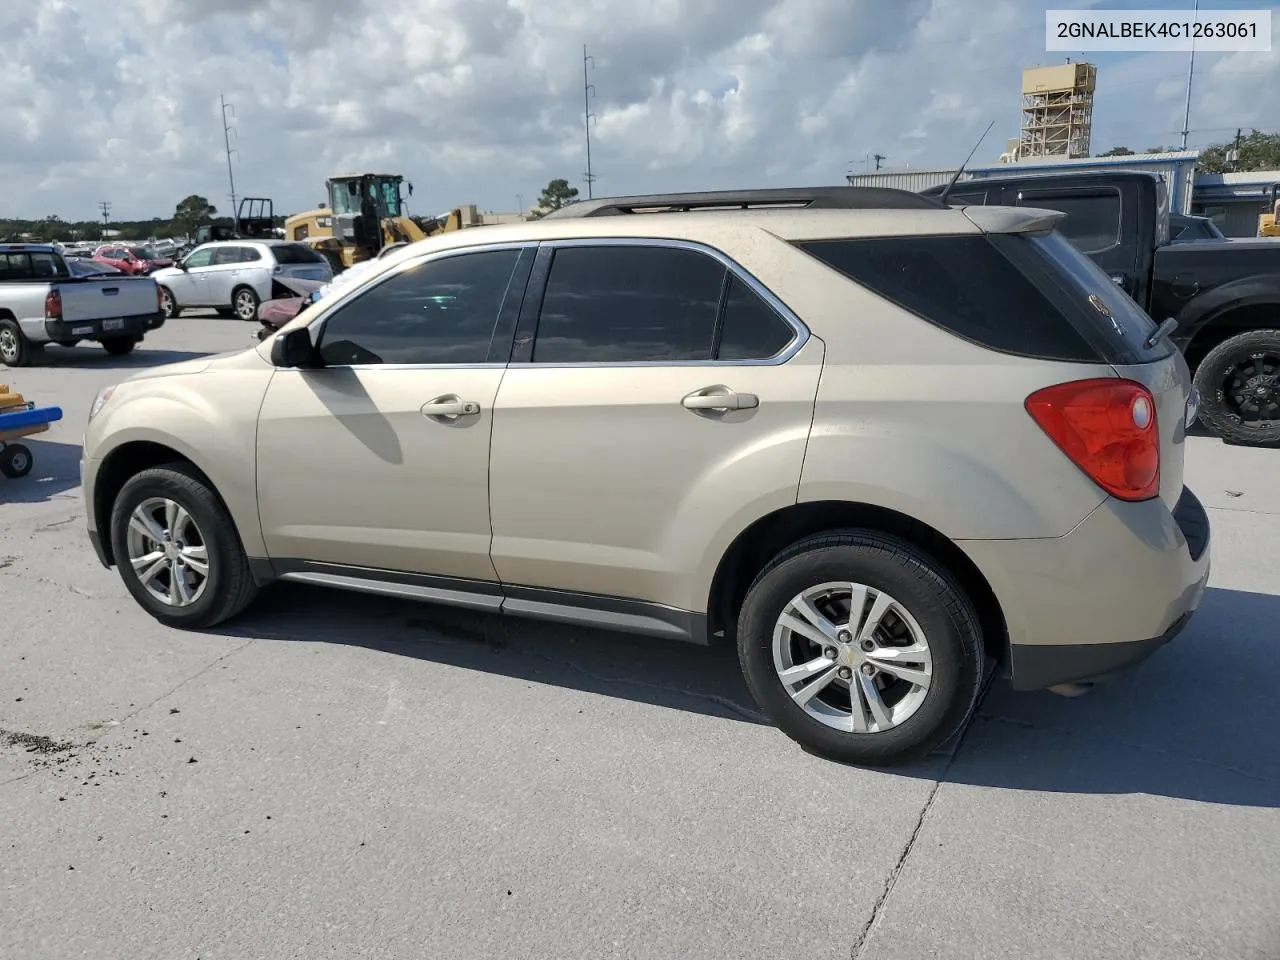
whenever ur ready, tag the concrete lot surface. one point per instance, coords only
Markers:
(339, 776)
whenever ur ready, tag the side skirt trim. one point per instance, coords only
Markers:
(560, 606)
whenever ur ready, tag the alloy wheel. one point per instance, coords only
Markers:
(167, 551)
(852, 657)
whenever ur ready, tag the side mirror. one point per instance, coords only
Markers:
(293, 348)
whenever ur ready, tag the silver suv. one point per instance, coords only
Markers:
(235, 276)
(872, 440)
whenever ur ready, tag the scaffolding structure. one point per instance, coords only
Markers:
(1057, 111)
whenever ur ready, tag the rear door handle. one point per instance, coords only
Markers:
(720, 398)
(450, 406)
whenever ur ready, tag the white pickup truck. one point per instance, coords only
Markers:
(42, 303)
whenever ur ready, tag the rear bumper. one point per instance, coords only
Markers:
(1115, 589)
(135, 326)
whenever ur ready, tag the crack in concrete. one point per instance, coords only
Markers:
(52, 583)
(182, 683)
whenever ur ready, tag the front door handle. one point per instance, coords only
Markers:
(450, 406)
(720, 398)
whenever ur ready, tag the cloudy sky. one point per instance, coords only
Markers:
(481, 101)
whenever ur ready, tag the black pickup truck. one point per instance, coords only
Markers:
(1224, 294)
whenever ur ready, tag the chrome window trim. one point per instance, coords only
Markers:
(381, 277)
(800, 333)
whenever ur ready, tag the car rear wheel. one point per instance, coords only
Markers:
(1239, 384)
(177, 549)
(861, 648)
(245, 303)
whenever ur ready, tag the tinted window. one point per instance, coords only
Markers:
(752, 330)
(32, 266)
(200, 258)
(1108, 317)
(295, 253)
(249, 255)
(1093, 221)
(628, 303)
(225, 255)
(442, 311)
(962, 284)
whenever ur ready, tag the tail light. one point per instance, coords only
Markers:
(1108, 429)
(53, 305)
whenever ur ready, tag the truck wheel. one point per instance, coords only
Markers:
(119, 346)
(1239, 384)
(15, 461)
(15, 349)
(245, 303)
(861, 648)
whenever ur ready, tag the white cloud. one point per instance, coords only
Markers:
(480, 100)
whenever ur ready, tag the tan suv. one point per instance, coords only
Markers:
(872, 439)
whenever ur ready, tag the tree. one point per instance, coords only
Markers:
(193, 211)
(1117, 152)
(1258, 151)
(557, 194)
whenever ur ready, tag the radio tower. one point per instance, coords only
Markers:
(226, 139)
(588, 91)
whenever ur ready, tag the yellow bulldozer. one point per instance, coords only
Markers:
(1269, 222)
(365, 213)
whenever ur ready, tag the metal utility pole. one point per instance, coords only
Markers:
(105, 207)
(878, 158)
(588, 91)
(1191, 72)
(226, 139)
(1235, 153)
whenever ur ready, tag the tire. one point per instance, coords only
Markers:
(228, 587)
(15, 461)
(244, 303)
(1249, 362)
(168, 306)
(119, 346)
(935, 606)
(15, 349)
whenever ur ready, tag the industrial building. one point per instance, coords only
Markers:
(1057, 112)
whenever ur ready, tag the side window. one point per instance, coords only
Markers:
(441, 311)
(1093, 220)
(249, 255)
(964, 285)
(751, 329)
(618, 304)
(200, 258)
(225, 255)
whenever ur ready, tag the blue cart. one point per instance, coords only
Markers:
(17, 420)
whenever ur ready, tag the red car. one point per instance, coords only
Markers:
(132, 260)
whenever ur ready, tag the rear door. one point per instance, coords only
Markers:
(654, 397)
(223, 274)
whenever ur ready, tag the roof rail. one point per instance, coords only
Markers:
(809, 198)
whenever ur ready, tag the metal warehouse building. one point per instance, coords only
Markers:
(1234, 200)
(1177, 168)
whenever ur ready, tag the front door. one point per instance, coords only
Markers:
(379, 459)
(664, 401)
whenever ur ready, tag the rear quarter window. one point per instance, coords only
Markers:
(295, 253)
(963, 284)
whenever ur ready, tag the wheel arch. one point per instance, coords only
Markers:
(1254, 313)
(767, 536)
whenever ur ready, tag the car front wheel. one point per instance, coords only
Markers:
(177, 549)
(861, 648)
